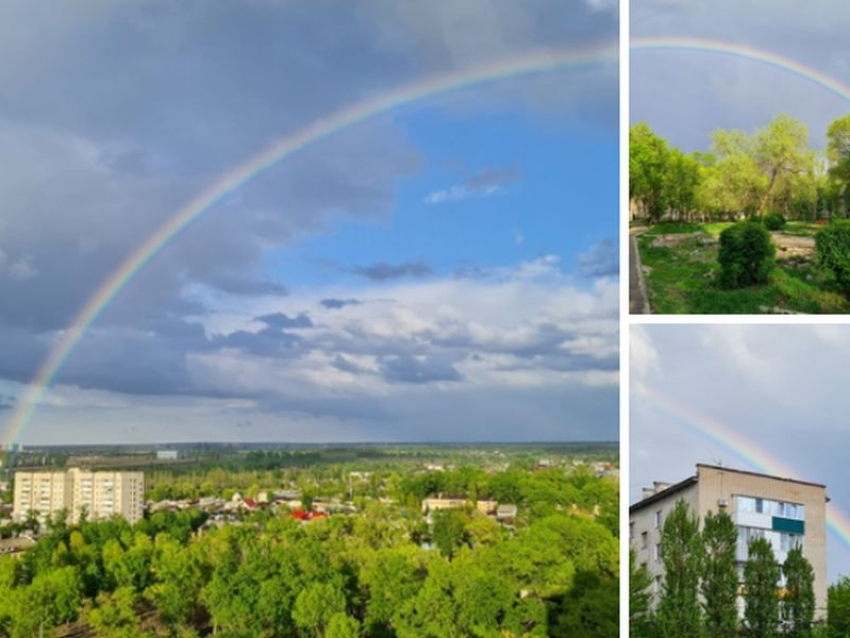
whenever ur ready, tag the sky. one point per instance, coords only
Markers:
(779, 387)
(445, 271)
(686, 95)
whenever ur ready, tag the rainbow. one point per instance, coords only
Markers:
(756, 457)
(285, 148)
(742, 52)
(321, 129)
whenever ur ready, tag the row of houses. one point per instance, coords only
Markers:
(502, 512)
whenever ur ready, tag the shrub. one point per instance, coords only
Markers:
(774, 221)
(746, 255)
(832, 244)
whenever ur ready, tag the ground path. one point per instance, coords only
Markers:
(793, 246)
(638, 301)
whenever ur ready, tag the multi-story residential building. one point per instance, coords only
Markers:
(101, 494)
(787, 512)
(41, 492)
(170, 455)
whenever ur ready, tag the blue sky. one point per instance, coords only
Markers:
(445, 271)
(555, 198)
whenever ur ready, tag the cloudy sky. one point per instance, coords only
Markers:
(685, 95)
(780, 387)
(446, 271)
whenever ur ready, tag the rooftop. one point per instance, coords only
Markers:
(692, 480)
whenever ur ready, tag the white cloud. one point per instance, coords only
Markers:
(456, 193)
(527, 326)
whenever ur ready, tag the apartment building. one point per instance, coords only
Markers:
(786, 512)
(101, 494)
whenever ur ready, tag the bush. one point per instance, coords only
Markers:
(832, 244)
(774, 221)
(746, 255)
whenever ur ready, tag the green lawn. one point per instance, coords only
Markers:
(801, 229)
(680, 281)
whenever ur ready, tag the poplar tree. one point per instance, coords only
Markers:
(719, 587)
(640, 597)
(798, 605)
(761, 578)
(679, 614)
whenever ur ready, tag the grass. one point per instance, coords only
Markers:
(801, 229)
(673, 228)
(681, 281)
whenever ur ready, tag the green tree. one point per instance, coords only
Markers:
(681, 550)
(648, 171)
(682, 177)
(838, 608)
(115, 614)
(761, 578)
(781, 152)
(343, 626)
(798, 603)
(735, 184)
(640, 598)
(590, 610)
(178, 581)
(719, 585)
(449, 531)
(838, 154)
(316, 605)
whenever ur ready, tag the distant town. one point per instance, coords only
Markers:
(463, 506)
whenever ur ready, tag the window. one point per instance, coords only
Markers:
(746, 504)
(631, 531)
(657, 552)
(770, 507)
(788, 541)
(658, 519)
(644, 540)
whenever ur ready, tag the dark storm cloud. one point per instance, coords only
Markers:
(336, 304)
(601, 260)
(383, 271)
(493, 177)
(408, 369)
(343, 363)
(265, 343)
(242, 285)
(283, 320)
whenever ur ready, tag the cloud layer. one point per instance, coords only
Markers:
(686, 95)
(114, 116)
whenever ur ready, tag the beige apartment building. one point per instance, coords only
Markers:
(101, 494)
(786, 512)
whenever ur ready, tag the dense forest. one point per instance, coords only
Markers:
(773, 170)
(386, 570)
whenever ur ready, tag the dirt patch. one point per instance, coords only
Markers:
(673, 241)
(793, 247)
